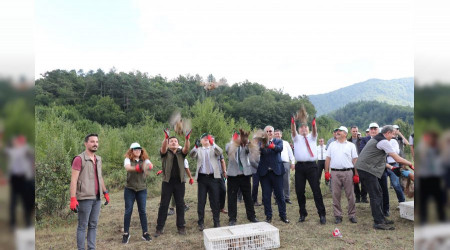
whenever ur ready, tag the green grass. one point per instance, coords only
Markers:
(60, 233)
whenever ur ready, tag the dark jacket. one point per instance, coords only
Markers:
(271, 158)
(363, 143)
(358, 142)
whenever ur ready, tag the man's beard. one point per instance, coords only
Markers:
(93, 150)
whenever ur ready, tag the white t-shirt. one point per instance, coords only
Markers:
(286, 154)
(321, 150)
(385, 145)
(342, 154)
(301, 151)
(396, 148)
(128, 162)
(411, 140)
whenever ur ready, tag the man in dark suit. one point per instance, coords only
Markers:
(271, 171)
(360, 194)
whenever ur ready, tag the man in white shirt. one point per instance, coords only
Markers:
(305, 150)
(341, 158)
(321, 157)
(287, 157)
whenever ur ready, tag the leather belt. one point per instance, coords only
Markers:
(342, 169)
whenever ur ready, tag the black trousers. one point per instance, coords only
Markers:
(222, 193)
(307, 171)
(23, 188)
(235, 183)
(431, 187)
(384, 188)
(372, 184)
(255, 186)
(177, 189)
(208, 185)
(320, 168)
(360, 194)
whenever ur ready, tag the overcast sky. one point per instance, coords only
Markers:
(302, 47)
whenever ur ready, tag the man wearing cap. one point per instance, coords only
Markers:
(359, 193)
(341, 157)
(173, 181)
(371, 165)
(367, 132)
(332, 139)
(305, 148)
(86, 185)
(271, 171)
(207, 176)
(287, 157)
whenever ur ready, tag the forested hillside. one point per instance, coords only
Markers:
(395, 92)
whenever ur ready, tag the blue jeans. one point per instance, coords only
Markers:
(395, 182)
(88, 212)
(141, 198)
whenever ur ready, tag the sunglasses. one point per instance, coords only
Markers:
(269, 131)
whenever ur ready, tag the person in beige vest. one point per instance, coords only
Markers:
(136, 160)
(86, 185)
(208, 177)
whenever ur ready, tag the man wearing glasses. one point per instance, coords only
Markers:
(271, 171)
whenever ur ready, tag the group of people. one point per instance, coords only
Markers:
(345, 161)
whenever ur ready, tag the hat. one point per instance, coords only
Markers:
(336, 129)
(367, 130)
(359, 133)
(396, 126)
(203, 135)
(374, 125)
(135, 145)
(343, 128)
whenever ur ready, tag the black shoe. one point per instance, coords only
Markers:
(182, 231)
(388, 222)
(201, 227)
(232, 223)
(158, 233)
(217, 224)
(386, 214)
(284, 219)
(357, 201)
(288, 201)
(383, 227)
(254, 220)
(171, 211)
(146, 237)
(323, 220)
(302, 218)
(353, 220)
(125, 238)
(364, 200)
(268, 219)
(337, 221)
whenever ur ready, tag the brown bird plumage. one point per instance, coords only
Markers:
(302, 115)
(180, 125)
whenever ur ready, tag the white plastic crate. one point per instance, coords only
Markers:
(407, 210)
(261, 235)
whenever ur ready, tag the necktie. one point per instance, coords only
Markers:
(321, 152)
(239, 160)
(309, 148)
(207, 164)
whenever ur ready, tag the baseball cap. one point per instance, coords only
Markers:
(396, 126)
(203, 135)
(343, 128)
(135, 145)
(367, 130)
(374, 125)
(336, 129)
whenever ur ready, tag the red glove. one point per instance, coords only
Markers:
(356, 179)
(210, 140)
(74, 204)
(138, 168)
(313, 123)
(271, 145)
(106, 194)
(159, 172)
(188, 135)
(191, 181)
(327, 176)
(292, 120)
(412, 166)
(150, 167)
(166, 133)
(235, 136)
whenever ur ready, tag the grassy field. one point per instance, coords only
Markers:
(57, 233)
